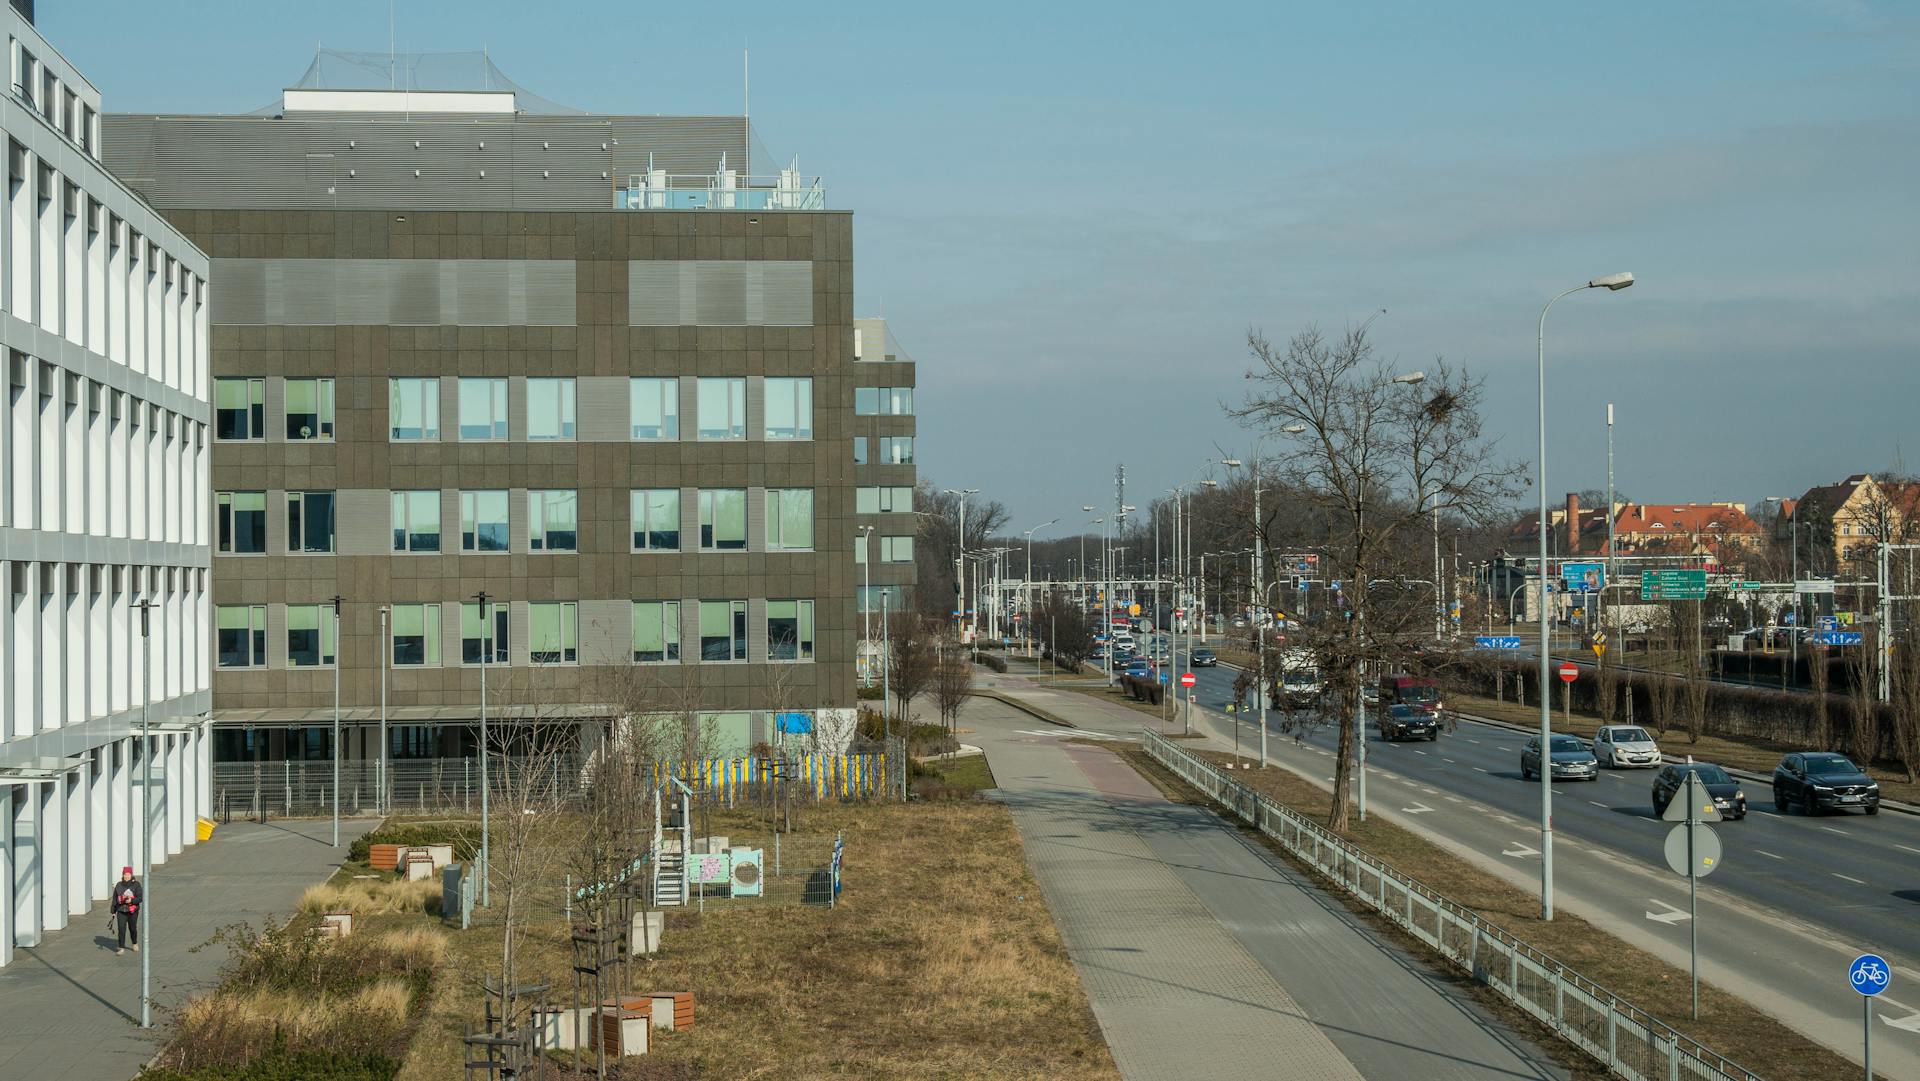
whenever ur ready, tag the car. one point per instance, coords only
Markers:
(1138, 668)
(1816, 781)
(1409, 722)
(1727, 797)
(1204, 658)
(1625, 746)
(1571, 760)
(1370, 694)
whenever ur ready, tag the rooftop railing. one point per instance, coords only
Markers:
(725, 190)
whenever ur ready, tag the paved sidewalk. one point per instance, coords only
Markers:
(71, 1008)
(1203, 955)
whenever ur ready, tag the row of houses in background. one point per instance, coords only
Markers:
(1832, 525)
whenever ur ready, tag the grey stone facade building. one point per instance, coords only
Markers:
(576, 363)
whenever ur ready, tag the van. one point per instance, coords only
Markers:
(1401, 689)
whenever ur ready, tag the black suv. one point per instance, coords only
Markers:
(1816, 781)
(1409, 722)
(1727, 797)
(1204, 658)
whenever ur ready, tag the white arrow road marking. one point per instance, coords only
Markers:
(1910, 1023)
(1670, 917)
(1417, 809)
(1520, 851)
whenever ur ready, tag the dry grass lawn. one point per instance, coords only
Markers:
(1727, 1023)
(928, 967)
(381, 896)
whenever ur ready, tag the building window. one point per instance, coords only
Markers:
(656, 632)
(859, 450)
(723, 630)
(476, 636)
(309, 409)
(483, 521)
(243, 635)
(550, 409)
(416, 521)
(310, 522)
(240, 409)
(723, 519)
(310, 629)
(552, 632)
(655, 408)
(883, 401)
(242, 522)
(790, 518)
(413, 410)
(893, 500)
(723, 408)
(656, 519)
(896, 450)
(554, 520)
(789, 630)
(872, 598)
(860, 542)
(416, 635)
(483, 410)
(896, 549)
(789, 409)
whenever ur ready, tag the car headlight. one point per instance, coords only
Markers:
(1740, 796)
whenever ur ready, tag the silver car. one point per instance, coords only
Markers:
(1625, 746)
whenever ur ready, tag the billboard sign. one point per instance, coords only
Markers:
(1584, 577)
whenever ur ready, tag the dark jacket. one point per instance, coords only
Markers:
(121, 902)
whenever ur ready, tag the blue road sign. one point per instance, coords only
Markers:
(1497, 641)
(1166, 677)
(1829, 623)
(1787, 618)
(1869, 974)
(1836, 638)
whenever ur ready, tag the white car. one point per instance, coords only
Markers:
(1625, 746)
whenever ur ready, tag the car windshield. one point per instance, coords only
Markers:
(1836, 764)
(1567, 743)
(1631, 735)
(1419, 693)
(1711, 774)
(1303, 675)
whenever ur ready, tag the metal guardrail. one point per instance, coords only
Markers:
(1631, 1042)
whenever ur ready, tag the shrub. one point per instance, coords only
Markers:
(868, 692)
(373, 897)
(280, 1065)
(997, 663)
(465, 840)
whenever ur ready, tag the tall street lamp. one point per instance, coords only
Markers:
(146, 816)
(1027, 626)
(338, 655)
(960, 587)
(486, 656)
(386, 656)
(1084, 577)
(1612, 283)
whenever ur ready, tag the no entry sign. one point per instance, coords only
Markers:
(1186, 679)
(1569, 672)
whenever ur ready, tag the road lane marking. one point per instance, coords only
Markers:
(1417, 809)
(1830, 829)
(1473, 741)
(1769, 814)
(1670, 917)
(1904, 848)
(1849, 878)
(1454, 799)
(1520, 851)
(1477, 769)
(1444, 758)
(1767, 854)
(1596, 803)
(1419, 752)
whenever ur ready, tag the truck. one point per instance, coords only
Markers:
(1299, 679)
(1402, 689)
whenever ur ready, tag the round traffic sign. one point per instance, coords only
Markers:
(1706, 851)
(1569, 672)
(1869, 974)
(1187, 680)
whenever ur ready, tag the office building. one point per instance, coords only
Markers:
(104, 508)
(883, 436)
(592, 366)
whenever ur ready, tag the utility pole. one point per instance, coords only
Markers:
(486, 658)
(1607, 573)
(339, 656)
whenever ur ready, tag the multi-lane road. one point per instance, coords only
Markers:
(1778, 918)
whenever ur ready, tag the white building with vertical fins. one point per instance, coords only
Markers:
(104, 490)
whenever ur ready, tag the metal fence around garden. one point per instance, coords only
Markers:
(1629, 1041)
(261, 790)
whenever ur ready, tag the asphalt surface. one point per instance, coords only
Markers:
(1792, 901)
(1204, 955)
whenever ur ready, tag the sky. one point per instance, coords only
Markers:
(1071, 214)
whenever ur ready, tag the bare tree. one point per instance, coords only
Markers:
(1819, 677)
(1066, 630)
(1863, 731)
(1905, 681)
(910, 664)
(1696, 681)
(936, 546)
(1369, 459)
(952, 685)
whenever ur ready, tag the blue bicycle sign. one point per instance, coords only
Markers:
(1870, 974)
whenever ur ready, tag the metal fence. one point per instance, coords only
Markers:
(1629, 1041)
(260, 790)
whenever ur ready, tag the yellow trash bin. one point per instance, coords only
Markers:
(204, 829)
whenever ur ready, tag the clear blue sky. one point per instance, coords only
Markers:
(1072, 213)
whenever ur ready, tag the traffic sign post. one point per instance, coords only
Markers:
(1497, 641)
(1568, 673)
(1692, 850)
(1187, 679)
(1869, 974)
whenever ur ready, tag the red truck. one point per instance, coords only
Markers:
(1405, 690)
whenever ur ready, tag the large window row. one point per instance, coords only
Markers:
(654, 406)
(78, 270)
(552, 515)
(79, 456)
(309, 633)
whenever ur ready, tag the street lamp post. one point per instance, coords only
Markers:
(486, 657)
(1026, 626)
(338, 655)
(386, 655)
(146, 816)
(1607, 576)
(960, 587)
(1612, 283)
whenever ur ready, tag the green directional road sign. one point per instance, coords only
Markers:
(1673, 585)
